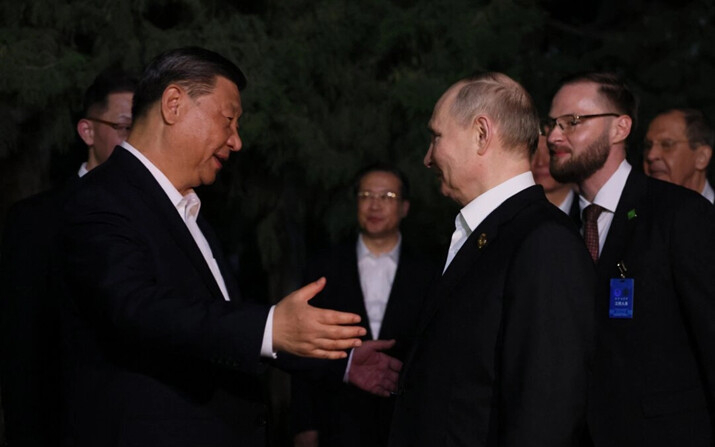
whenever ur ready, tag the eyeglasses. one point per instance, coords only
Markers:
(667, 145)
(382, 197)
(567, 122)
(122, 129)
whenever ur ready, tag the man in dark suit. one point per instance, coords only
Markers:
(503, 352)
(654, 244)
(29, 307)
(383, 281)
(159, 347)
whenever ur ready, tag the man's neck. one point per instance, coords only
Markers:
(557, 196)
(696, 182)
(590, 186)
(380, 245)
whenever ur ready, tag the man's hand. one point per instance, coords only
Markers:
(301, 329)
(375, 371)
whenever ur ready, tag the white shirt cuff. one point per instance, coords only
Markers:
(267, 346)
(347, 368)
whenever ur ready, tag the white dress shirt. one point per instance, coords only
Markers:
(188, 207)
(565, 206)
(708, 192)
(607, 198)
(377, 273)
(478, 209)
(82, 169)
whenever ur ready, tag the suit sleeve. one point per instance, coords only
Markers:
(547, 336)
(693, 269)
(125, 287)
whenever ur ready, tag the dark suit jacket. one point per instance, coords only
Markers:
(502, 357)
(29, 322)
(654, 375)
(344, 415)
(153, 353)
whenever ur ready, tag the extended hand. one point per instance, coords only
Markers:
(375, 371)
(301, 329)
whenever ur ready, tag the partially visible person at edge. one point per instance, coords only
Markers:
(678, 147)
(29, 306)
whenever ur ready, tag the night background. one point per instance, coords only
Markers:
(333, 85)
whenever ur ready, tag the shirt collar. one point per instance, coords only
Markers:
(478, 209)
(82, 170)
(187, 206)
(708, 192)
(364, 252)
(610, 193)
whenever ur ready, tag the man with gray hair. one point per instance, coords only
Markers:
(677, 149)
(503, 347)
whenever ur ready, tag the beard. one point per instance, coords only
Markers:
(579, 168)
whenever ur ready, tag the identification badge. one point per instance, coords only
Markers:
(621, 298)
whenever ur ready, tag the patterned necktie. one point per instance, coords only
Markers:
(590, 229)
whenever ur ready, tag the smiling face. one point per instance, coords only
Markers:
(449, 152)
(667, 155)
(577, 154)
(209, 132)
(378, 215)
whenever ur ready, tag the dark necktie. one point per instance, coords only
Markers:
(590, 229)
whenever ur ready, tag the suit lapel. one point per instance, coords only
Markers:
(475, 246)
(622, 226)
(158, 204)
(401, 303)
(354, 300)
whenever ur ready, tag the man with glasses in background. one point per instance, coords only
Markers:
(29, 325)
(678, 147)
(653, 377)
(559, 194)
(384, 282)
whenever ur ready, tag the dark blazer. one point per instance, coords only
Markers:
(29, 322)
(153, 354)
(654, 375)
(503, 353)
(344, 415)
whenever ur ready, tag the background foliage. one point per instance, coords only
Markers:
(333, 85)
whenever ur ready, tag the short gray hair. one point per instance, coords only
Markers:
(506, 102)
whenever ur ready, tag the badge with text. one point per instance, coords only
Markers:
(621, 298)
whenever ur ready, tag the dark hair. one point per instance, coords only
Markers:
(111, 80)
(697, 126)
(195, 69)
(506, 102)
(614, 88)
(384, 167)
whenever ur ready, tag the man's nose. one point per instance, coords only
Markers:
(428, 157)
(234, 141)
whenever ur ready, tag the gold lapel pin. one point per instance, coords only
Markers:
(482, 241)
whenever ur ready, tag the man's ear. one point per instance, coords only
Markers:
(172, 103)
(483, 133)
(703, 154)
(621, 129)
(404, 208)
(85, 129)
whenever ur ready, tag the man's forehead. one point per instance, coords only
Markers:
(580, 96)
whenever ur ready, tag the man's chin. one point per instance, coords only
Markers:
(660, 176)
